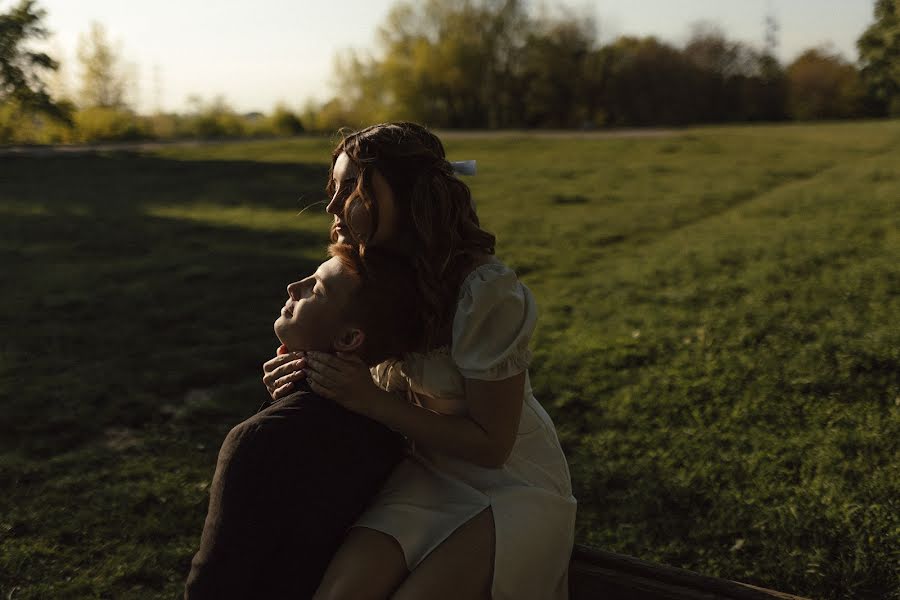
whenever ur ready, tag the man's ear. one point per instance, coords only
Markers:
(349, 340)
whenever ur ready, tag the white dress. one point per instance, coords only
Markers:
(429, 495)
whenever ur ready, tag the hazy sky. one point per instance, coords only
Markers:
(258, 53)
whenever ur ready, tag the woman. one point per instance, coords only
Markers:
(483, 506)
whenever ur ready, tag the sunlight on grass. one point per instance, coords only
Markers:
(38, 210)
(246, 217)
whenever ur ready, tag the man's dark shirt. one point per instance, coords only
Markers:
(289, 482)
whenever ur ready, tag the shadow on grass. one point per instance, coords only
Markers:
(109, 313)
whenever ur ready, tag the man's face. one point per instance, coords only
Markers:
(311, 317)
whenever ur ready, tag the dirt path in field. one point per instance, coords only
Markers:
(559, 133)
(63, 149)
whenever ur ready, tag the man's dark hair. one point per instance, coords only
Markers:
(385, 304)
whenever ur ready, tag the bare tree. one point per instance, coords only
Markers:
(103, 76)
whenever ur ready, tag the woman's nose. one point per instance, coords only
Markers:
(335, 206)
(293, 290)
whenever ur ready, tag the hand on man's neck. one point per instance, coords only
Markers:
(282, 350)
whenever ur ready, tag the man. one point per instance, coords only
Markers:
(293, 478)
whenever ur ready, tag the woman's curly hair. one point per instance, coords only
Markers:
(437, 226)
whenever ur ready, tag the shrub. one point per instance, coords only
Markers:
(102, 124)
(284, 123)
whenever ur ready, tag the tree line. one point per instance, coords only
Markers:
(491, 64)
(102, 106)
(479, 64)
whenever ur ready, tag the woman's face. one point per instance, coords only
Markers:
(344, 176)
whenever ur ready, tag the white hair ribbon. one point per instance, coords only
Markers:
(463, 167)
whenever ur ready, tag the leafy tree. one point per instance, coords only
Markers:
(284, 122)
(879, 55)
(766, 94)
(557, 67)
(103, 79)
(213, 119)
(720, 68)
(710, 50)
(734, 82)
(436, 61)
(443, 62)
(649, 83)
(822, 85)
(21, 69)
(490, 63)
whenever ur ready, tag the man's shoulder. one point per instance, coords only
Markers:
(304, 405)
(281, 414)
(292, 430)
(269, 417)
(298, 418)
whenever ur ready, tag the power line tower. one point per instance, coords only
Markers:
(157, 88)
(772, 28)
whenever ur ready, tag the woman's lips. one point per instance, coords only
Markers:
(287, 312)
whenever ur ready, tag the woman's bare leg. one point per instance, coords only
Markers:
(461, 567)
(369, 565)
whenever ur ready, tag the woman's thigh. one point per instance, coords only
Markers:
(461, 567)
(368, 565)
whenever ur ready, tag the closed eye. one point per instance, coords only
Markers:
(345, 186)
(344, 192)
(318, 287)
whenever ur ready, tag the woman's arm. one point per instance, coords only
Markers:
(484, 437)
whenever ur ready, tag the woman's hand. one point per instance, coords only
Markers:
(344, 378)
(280, 373)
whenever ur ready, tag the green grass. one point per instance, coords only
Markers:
(719, 344)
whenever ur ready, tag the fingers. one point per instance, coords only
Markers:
(328, 360)
(333, 376)
(352, 358)
(289, 378)
(292, 365)
(329, 369)
(321, 389)
(282, 391)
(323, 380)
(279, 360)
(288, 368)
(325, 374)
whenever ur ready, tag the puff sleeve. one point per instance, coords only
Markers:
(494, 320)
(389, 376)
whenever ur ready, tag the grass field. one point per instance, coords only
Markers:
(719, 344)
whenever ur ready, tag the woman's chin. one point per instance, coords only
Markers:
(343, 236)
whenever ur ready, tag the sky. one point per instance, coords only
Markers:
(257, 54)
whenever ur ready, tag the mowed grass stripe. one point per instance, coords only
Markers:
(755, 398)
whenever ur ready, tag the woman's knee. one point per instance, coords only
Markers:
(362, 582)
(369, 565)
(348, 589)
(461, 567)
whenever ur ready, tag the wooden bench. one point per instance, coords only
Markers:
(598, 575)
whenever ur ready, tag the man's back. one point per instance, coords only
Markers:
(289, 483)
